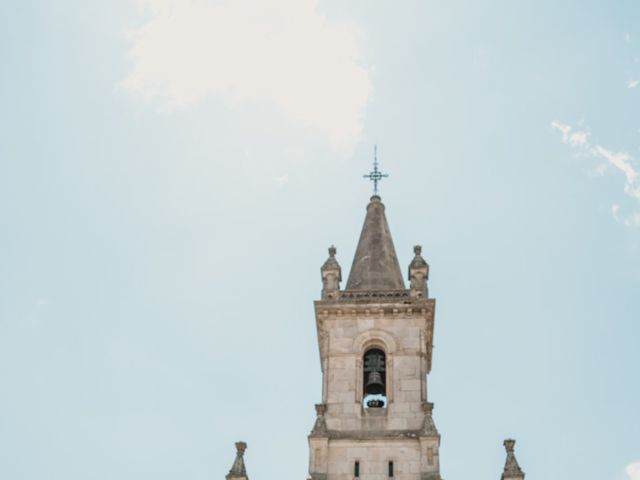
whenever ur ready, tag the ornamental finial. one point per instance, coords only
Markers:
(238, 470)
(512, 470)
(375, 175)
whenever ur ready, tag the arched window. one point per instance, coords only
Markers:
(374, 378)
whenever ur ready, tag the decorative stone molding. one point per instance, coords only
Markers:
(375, 338)
(369, 296)
(399, 307)
(390, 379)
(359, 380)
(371, 434)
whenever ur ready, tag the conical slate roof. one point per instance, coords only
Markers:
(375, 265)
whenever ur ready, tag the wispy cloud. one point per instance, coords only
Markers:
(282, 50)
(631, 220)
(633, 471)
(621, 161)
(569, 135)
(633, 83)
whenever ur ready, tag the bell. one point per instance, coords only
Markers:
(374, 385)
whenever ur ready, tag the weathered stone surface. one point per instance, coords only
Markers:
(375, 265)
(238, 470)
(331, 275)
(320, 427)
(512, 470)
(418, 274)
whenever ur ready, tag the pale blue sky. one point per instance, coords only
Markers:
(171, 174)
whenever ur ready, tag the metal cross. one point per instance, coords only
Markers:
(375, 175)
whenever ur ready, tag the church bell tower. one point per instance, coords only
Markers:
(375, 339)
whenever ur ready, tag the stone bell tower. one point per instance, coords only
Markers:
(375, 339)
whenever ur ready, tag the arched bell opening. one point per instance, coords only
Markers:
(374, 377)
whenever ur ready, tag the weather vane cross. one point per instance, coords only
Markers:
(375, 175)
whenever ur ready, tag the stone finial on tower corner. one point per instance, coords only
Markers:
(331, 275)
(428, 427)
(238, 470)
(320, 427)
(418, 274)
(512, 470)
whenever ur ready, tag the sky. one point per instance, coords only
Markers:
(172, 173)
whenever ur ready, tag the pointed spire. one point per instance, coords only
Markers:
(375, 265)
(512, 470)
(238, 470)
(331, 275)
(418, 274)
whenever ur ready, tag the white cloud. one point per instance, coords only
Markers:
(281, 50)
(632, 220)
(633, 83)
(575, 139)
(627, 37)
(622, 161)
(633, 471)
(563, 127)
